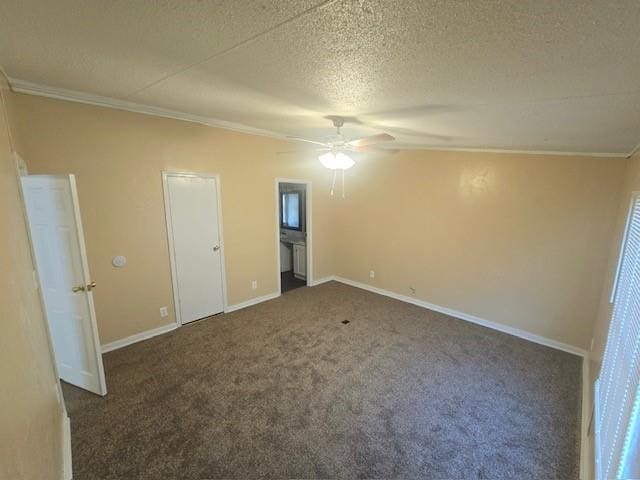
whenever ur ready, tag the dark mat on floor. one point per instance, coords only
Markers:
(285, 389)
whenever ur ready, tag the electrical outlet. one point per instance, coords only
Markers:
(412, 290)
(254, 284)
(372, 274)
(164, 312)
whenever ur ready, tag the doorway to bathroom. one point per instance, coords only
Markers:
(294, 208)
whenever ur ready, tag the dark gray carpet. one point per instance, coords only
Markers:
(284, 389)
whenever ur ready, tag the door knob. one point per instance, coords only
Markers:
(216, 248)
(82, 288)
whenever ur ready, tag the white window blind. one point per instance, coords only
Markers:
(618, 389)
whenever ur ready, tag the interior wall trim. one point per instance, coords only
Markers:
(138, 337)
(251, 301)
(559, 153)
(635, 150)
(30, 88)
(67, 462)
(469, 318)
(586, 457)
(322, 280)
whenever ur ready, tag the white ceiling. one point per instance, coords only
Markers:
(539, 75)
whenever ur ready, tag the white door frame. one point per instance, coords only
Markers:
(167, 211)
(308, 225)
(85, 273)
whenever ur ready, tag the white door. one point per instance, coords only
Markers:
(194, 236)
(58, 243)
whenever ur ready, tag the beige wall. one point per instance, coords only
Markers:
(118, 157)
(31, 418)
(524, 240)
(517, 239)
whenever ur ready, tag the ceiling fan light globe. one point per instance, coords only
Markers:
(329, 160)
(336, 161)
(345, 162)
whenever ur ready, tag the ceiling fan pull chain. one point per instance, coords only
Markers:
(333, 184)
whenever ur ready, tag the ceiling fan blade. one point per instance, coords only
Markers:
(414, 111)
(303, 151)
(373, 139)
(414, 133)
(374, 149)
(298, 139)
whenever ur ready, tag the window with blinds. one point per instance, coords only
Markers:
(618, 388)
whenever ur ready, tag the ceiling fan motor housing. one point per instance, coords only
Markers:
(337, 121)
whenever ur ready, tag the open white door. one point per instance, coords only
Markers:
(58, 242)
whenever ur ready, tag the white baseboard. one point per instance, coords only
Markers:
(586, 458)
(271, 296)
(250, 302)
(67, 463)
(138, 337)
(595, 430)
(403, 298)
(322, 280)
(469, 318)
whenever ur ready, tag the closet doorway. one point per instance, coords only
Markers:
(194, 228)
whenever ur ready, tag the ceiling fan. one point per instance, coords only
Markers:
(334, 153)
(337, 148)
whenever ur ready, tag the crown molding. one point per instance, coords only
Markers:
(634, 151)
(30, 88)
(516, 152)
(3, 73)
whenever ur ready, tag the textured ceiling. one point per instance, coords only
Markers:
(543, 75)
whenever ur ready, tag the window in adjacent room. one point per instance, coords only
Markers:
(291, 218)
